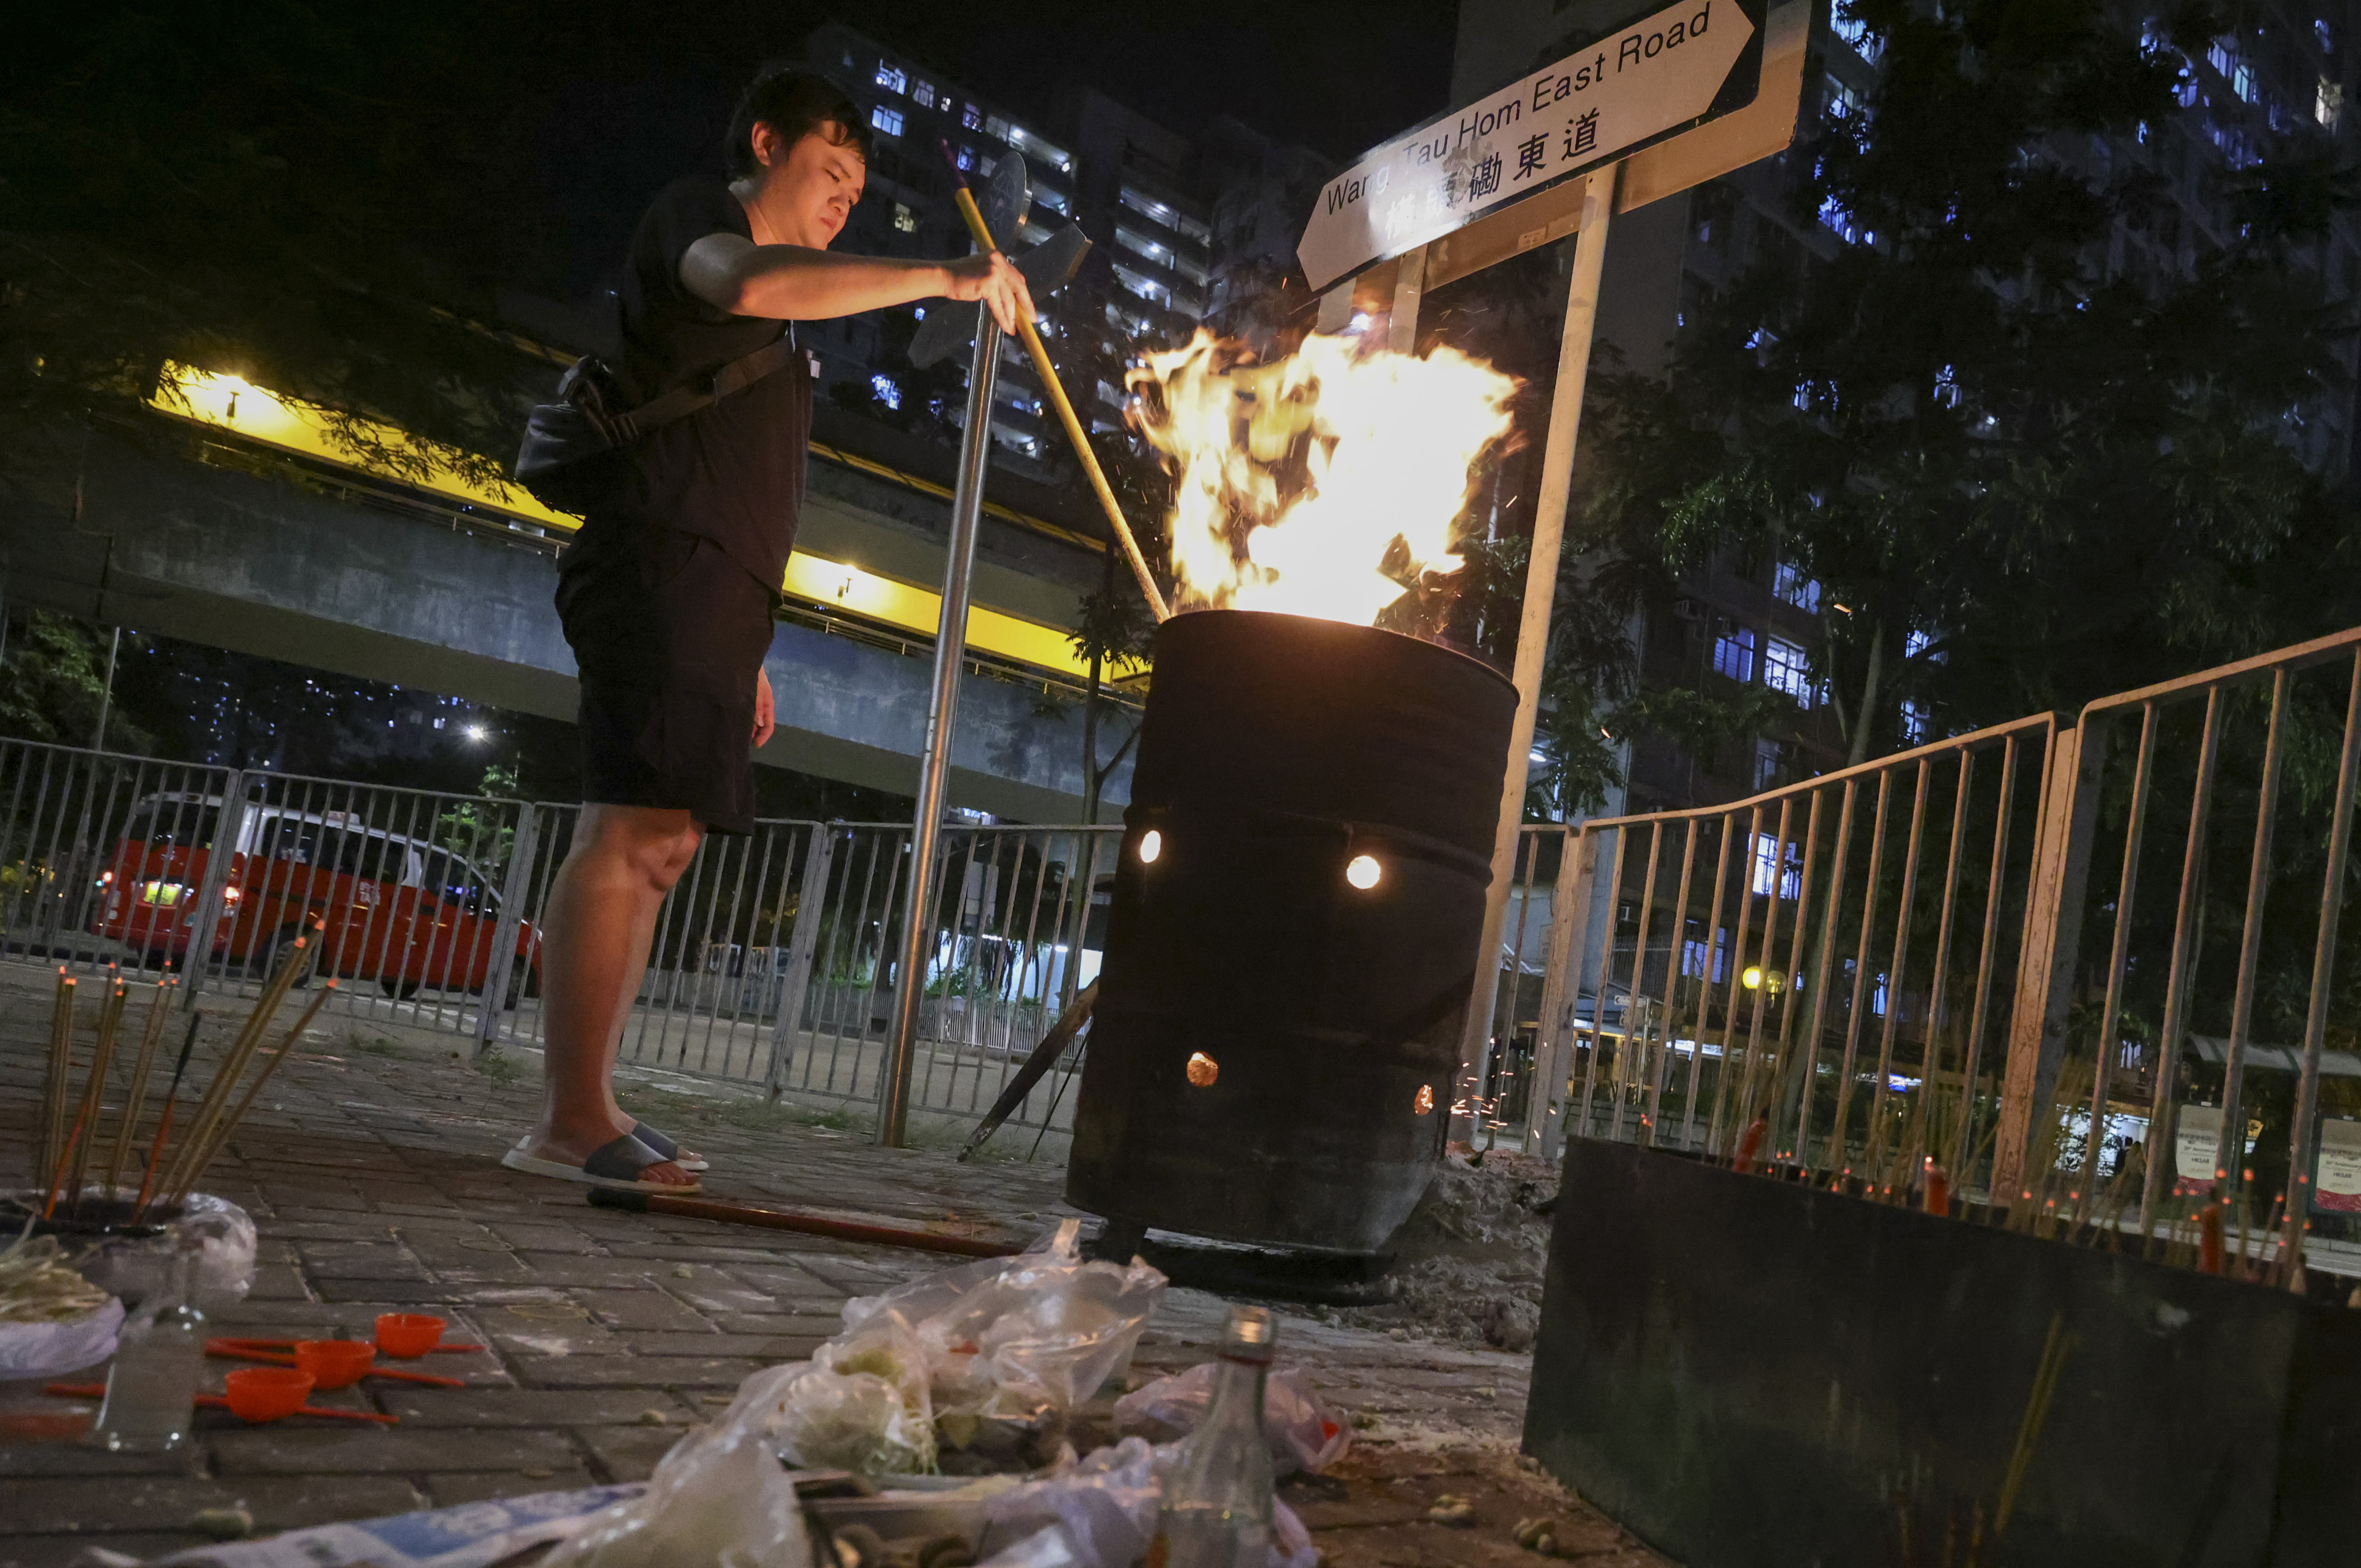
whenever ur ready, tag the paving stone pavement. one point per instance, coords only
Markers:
(371, 1168)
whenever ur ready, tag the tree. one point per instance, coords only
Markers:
(316, 199)
(2021, 479)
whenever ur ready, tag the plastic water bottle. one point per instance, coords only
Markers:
(151, 1389)
(1217, 1499)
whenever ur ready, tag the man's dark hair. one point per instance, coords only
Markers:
(793, 103)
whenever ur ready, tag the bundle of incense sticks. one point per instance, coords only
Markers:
(71, 1123)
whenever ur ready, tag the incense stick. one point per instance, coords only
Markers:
(94, 1094)
(164, 1119)
(53, 1082)
(213, 1147)
(135, 1093)
(232, 1067)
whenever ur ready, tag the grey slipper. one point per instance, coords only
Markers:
(665, 1147)
(616, 1166)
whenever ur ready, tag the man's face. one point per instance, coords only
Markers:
(810, 190)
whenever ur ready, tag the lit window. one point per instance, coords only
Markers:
(1842, 23)
(2328, 105)
(1838, 220)
(1798, 587)
(887, 391)
(1916, 643)
(1913, 723)
(1051, 200)
(1842, 102)
(994, 125)
(1946, 386)
(1769, 864)
(1787, 668)
(971, 117)
(1733, 651)
(1109, 395)
(922, 94)
(890, 77)
(886, 120)
(1770, 757)
(903, 219)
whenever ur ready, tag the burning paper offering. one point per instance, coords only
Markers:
(1324, 484)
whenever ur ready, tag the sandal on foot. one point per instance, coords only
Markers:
(615, 1165)
(667, 1148)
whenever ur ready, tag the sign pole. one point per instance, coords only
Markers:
(1533, 630)
(935, 760)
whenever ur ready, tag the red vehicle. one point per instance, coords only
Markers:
(401, 911)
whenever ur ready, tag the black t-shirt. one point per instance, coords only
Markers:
(733, 471)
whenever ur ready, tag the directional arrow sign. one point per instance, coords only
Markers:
(1689, 63)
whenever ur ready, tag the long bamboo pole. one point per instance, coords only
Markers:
(1066, 416)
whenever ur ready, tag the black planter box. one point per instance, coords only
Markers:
(1745, 1371)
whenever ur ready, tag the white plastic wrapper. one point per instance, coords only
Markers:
(1304, 1431)
(137, 1267)
(718, 1498)
(862, 1404)
(50, 1350)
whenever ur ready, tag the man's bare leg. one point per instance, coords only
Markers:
(601, 922)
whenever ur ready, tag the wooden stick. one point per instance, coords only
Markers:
(94, 1094)
(135, 1093)
(1049, 373)
(212, 1146)
(793, 1220)
(53, 1083)
(1044, 1056)
(232, 1067)
(164, 1118)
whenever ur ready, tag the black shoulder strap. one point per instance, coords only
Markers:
(682, 401)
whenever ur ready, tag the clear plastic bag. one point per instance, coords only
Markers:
(861, 1404)
(1013, 1338)
(134, 1267)
(719, 1497)
(1304, 1431)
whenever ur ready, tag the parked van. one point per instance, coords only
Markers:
(401, 911)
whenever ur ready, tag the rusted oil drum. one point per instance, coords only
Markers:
(1272, 1052)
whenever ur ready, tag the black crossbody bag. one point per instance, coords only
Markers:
(561, 437)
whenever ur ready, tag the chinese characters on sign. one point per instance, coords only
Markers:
(1617, 94)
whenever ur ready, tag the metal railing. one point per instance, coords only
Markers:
(769, 968)
(1904, 955)
(1808, 967)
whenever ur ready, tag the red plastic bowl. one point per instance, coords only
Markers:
(334, 1363)
(267, 1393)
(408, 1334)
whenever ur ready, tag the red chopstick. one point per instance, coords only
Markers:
(215, 1402)
(234, 1350)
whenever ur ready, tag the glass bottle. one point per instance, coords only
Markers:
(151, 1389)
(1217, 1499)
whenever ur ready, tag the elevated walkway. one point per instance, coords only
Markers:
(207, 528)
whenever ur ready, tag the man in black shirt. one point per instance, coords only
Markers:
(667, 592)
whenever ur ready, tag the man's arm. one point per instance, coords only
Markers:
(794, 283)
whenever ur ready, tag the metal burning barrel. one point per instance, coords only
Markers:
(1292, 942)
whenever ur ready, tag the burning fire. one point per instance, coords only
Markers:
(1325, 484)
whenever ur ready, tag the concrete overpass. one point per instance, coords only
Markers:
(192, 534)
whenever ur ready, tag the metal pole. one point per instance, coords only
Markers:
(1532, 629)
(503, 962)
(107, 694)
(935, 760)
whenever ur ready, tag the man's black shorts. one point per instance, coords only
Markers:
(669, 634)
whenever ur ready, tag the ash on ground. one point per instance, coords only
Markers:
(1468, 1263)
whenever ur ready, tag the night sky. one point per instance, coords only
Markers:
(626, 96)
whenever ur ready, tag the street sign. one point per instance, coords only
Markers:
(1684, 66)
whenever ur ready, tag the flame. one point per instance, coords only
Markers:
(1324, 483)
